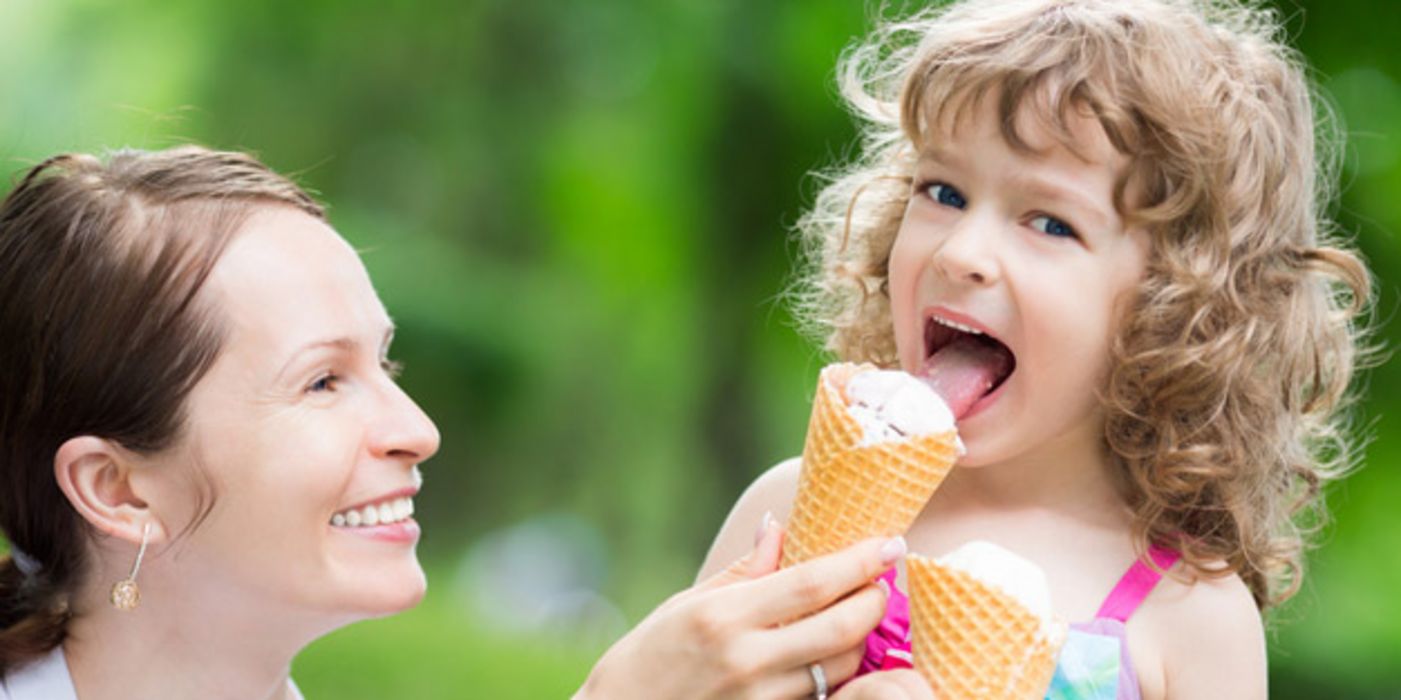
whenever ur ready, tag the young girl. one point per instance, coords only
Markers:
(1097, 228)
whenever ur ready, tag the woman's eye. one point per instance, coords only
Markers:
(326, 383)
(946, 195)
(392, 368)
(1052, 226)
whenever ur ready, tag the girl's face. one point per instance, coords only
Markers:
(298, 425)
(1027, 248)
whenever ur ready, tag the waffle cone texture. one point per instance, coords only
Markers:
(849, 492)
(972, 640)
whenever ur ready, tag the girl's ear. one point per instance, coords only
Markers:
(96, 477)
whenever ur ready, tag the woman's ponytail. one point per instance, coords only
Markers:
(33, 612)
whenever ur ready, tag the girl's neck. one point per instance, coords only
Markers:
(1072, 476)
(182, 646)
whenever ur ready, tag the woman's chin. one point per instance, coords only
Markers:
(377, 593)
(405, 593)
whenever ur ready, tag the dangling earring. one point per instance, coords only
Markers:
(125, 594)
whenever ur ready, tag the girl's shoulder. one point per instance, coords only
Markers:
(1206, 636)
(771, 493)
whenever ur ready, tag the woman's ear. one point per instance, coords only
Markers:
(96, 476)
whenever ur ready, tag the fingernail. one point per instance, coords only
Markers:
(763, 527)
(884, 586)
(892, 550)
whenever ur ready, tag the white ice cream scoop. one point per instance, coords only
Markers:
(1010, 573)
(892, 405)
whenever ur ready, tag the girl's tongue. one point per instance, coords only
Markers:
(965, 370)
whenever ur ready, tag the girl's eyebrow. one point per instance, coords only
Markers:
(1073, 197)
(1039, 186)
(937, 154)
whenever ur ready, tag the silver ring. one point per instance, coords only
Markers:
(819, 682)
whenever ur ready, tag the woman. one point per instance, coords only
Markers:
(205, 462)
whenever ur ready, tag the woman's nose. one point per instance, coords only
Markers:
(966, 255)
(403, 431)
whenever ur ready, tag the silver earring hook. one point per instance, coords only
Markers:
(140, 553)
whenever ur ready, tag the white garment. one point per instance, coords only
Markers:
(47, 678)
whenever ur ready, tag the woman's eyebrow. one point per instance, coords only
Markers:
(345, 344)
(388, 338)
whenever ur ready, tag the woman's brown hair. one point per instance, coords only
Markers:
(101, 264)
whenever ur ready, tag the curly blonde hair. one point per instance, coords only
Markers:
(1230, 371)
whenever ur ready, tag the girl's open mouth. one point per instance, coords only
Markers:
(963, 364)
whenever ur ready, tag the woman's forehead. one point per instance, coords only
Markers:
(288, 278)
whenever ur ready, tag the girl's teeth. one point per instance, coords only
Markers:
(376, 514)
(957, 326)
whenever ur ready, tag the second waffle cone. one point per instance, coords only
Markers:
(973, 641)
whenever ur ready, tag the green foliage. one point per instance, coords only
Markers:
(577, 213)
(438, 651)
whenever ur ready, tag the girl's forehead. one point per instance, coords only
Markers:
(1031, 123)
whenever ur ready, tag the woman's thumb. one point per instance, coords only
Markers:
(763, 559)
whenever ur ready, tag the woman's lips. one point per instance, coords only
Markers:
(404, 531)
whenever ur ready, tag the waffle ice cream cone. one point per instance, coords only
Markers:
(878, 444)
(982, 624)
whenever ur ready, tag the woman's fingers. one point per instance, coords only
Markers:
(801, 590)
(843, 666)
(900, 684)
(797, 682)
(840, 626)
(763, 559)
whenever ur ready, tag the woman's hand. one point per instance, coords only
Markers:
(900, 684)
(751, 631)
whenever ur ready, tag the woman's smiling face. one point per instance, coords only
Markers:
(308, 442)
(1027, 247)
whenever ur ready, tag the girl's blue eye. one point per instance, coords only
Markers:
(947, 195)
(1052, 226)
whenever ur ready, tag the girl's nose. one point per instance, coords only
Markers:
(966, 256)
(403, 431)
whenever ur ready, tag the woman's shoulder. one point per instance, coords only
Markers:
(1207, 635)
(772, 492)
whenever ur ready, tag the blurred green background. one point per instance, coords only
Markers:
(578, 211)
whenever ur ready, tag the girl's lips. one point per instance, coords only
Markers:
(961, 319)
(403, 532)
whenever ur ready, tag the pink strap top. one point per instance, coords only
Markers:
(1136, 584)
(888, 646)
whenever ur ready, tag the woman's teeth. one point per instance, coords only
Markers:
(375, 514)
